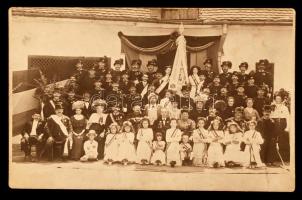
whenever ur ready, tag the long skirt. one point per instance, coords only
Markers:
(199, 154)
(173, 153)
(77, 147)
(111, 151)
(215, 154)
(233, 153)
(143, 151)
(126, 151)
(252, 154)
(159, 155)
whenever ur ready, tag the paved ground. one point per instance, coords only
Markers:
(97, 175)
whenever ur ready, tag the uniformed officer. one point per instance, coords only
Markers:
(186, 101)
(208, 63)
(101, 70)
(215, 86)
(225, 76)
(125, 83)
(261, 75)
(243, 76)
(251, 88)
(151, 66)
(116, 72)
(80, 75)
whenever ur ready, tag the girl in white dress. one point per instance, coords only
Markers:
(201, 140)
(215, 151)
(194, 80)
(126, 151)
(253, 140)
(233, 137)
(173, 137)
(90, 148)
(144, 147)
(158, 156)
(112, 144)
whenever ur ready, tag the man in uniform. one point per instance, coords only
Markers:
(262, 76)
(261, 100)
(215, 86)
(186, 101)
(225, 76)
(266, 126)
(151, 72)
(243, 76)
(98, 92)
(208, 63)
(125, 83)
(115, 116)
(80, 75)
(116, 72)
(49, 107)
(251, 88)
(132, 97)
(101, 70)
(238, 118)
(200, 110)
(114, 96)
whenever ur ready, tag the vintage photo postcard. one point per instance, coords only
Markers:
(194, 99)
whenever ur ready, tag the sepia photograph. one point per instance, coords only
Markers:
(137, 98)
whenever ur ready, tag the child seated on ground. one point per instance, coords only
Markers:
(252, 140)
(112, 144)
(186, 153)
(233, 137)
(158, 156)
(90, 148)
(173, 137)
(126, 151)
(144, 147)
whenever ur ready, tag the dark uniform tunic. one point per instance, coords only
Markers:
(161, 125)
(251, 91)
(268, 151)
(225, 78)
(263, 77)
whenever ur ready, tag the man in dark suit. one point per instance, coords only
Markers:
(57, 130)
(262, 77)
(49, 107)
(32, 135)
(80, 75)
(162, 124)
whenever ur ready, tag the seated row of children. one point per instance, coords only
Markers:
(208, 148)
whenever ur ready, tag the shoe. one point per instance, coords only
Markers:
(216, 165)
(172, 163)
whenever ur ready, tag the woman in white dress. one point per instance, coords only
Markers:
(173, 137)
(174, 111)
(200, 140)
(158, 156)
(194, 80)
(215, 150)
(233, 137)
(144, 147)
(112, 144)
(126, 151)
(252, 140)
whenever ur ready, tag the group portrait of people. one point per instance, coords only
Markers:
(131, 116)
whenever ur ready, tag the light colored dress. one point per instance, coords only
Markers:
(215, 151)
(252, 151)
(144, 147)
(194, 82)
(126, 149)
(173, 137)
(112, 147)
(174, 113)
(158, 154)
(166, 103)
(91, 150)
(233, 151)
(200, 151)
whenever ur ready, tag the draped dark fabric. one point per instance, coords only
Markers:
(164, 47)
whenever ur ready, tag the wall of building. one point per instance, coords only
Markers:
(251, 43)
(76, 37)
